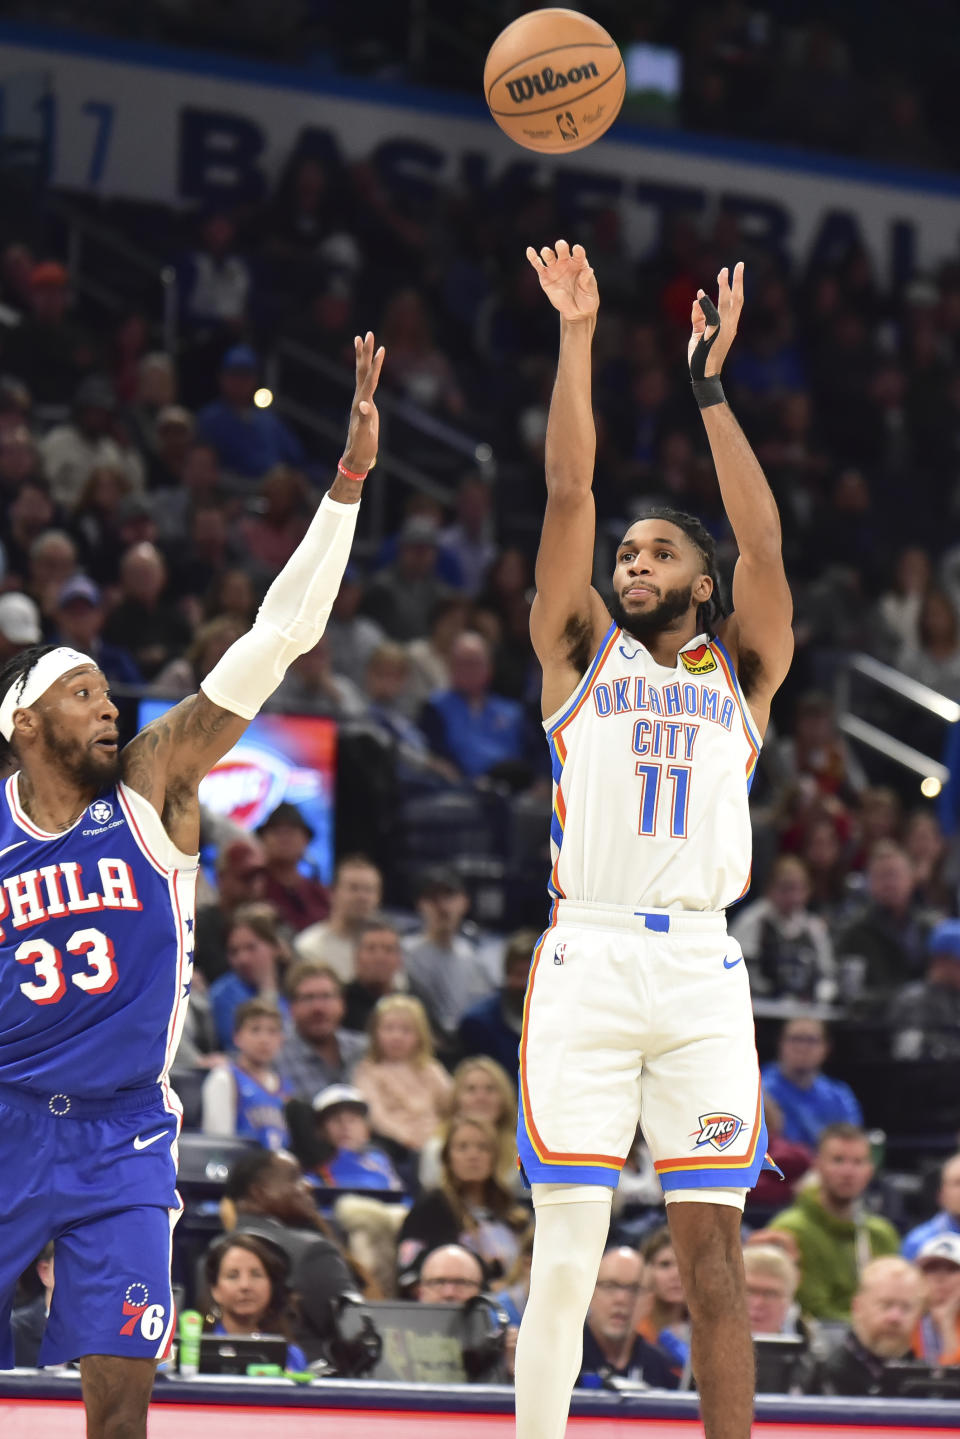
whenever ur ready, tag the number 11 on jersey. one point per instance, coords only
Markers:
(651, 777)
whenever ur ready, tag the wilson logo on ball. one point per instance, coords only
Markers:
(524, 87)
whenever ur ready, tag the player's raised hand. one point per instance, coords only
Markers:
(708, 349)
(567, 279)
(363, 435)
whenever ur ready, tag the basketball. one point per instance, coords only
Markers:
(554, 81)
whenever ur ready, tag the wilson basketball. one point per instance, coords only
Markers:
(554, 80)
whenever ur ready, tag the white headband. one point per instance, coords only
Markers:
(25, 692)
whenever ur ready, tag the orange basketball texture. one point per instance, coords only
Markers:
(554, 80)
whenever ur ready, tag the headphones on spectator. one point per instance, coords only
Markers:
(483, 1333)
(355, 1345)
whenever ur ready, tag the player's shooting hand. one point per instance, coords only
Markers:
(728, 306)
(567, 280)
(363, 436)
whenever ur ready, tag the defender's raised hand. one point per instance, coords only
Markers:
(363, 436)
(715, 346)
(567, 280)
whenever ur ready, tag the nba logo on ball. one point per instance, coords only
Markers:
(101, 810)
(720, 1130)
(554, 80)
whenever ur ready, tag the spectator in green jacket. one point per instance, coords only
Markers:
(836, 1235)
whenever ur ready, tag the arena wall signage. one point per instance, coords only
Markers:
(154, 123)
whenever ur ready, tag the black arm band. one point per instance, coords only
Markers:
(708, 392)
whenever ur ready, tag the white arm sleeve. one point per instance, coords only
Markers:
(292, 617)
(219, 1096)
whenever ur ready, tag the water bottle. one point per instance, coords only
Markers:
(191, 1327)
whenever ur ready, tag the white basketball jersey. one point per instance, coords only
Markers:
(651, 772)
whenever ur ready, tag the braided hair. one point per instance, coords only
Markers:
(712, 611)
(17, 671)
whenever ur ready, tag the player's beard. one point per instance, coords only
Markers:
(86, 767)
(672, 605)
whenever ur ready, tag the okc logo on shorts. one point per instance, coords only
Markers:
(101, 810)
(720, 1130)
(135, 1303)
(698, 661)
(559, 954)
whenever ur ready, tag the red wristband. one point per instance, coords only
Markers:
(349, 474)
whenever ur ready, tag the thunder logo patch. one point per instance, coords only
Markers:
(720, 1130)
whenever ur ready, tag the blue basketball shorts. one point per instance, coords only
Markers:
(98, 1177)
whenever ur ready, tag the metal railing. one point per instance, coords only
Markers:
(933, 772)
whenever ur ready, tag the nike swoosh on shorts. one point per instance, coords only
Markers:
(732, 964)
(139, 1143)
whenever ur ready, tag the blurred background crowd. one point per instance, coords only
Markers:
(356, 1032)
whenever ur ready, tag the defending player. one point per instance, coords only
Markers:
(99, 860)
(638, 1001)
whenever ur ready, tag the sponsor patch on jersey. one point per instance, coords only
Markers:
(699, 661)
(101, 810)
(718, 1130)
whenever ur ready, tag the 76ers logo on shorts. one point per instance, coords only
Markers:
(720, 1130)
(138, 1312)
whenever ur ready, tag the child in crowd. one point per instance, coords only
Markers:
(408, 1092)
(342, 1118)
(246, 1097)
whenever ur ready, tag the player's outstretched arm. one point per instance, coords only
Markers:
(167, 760)
(568, 615)
(763, 607)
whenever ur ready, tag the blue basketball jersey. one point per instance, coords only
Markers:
(260, 1110)
(96, 948)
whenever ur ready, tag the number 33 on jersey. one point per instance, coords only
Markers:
(651, 774)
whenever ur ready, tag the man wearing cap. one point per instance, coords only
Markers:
(947, 1218)
(938, 1339)
(79, 619)
(444, 970)
(925, 1015)
(48, 351)
(354, 1163)
(298, 898)
(73, 450)
(19, 624)
(248, 440)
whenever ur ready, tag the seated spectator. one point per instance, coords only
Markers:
(231, 593)
(938, 1339)
(476, 730)
(450, 1274)
(257, 957)
(266, 1195)
(771, 1283)
(833, 1229)
(319, 1052)
(430, 655)
(898, 609)
(935, 658)
(272, 532)
(249, 441)
(408, 1092)
(96, 521)
(934, 870)
(48, 351)
(352, 1162)
(885, 942)
(792, 1160)
(611, 1344)
(354, 898)
(53, 560)
(822, 851)
(198, 483)
(28, 1321)
(817, 749)
(169, 463)
(877, 816)
(311, 686)
(666, 1322)
(378, 971)
(924, 1016)
(145, 623)
(246, 1097)
(402, 597)
(470, 1207)
(481, 1090)
(70, 452)
(247, 1284)
(19, 625)
(807, 1099)
(492, 1026)
(470, 537)
(787, 949)
(155, 388)
(27, 516)
(241, 872)
(421, 369)
(298, 899)
(79, 618)
(215, 279)
(19, 460)
(885, 1310)
(351, 637)
(947, 1218)
(442, 966)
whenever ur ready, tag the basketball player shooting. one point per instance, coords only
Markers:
(99, 852)
(638, 1003)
